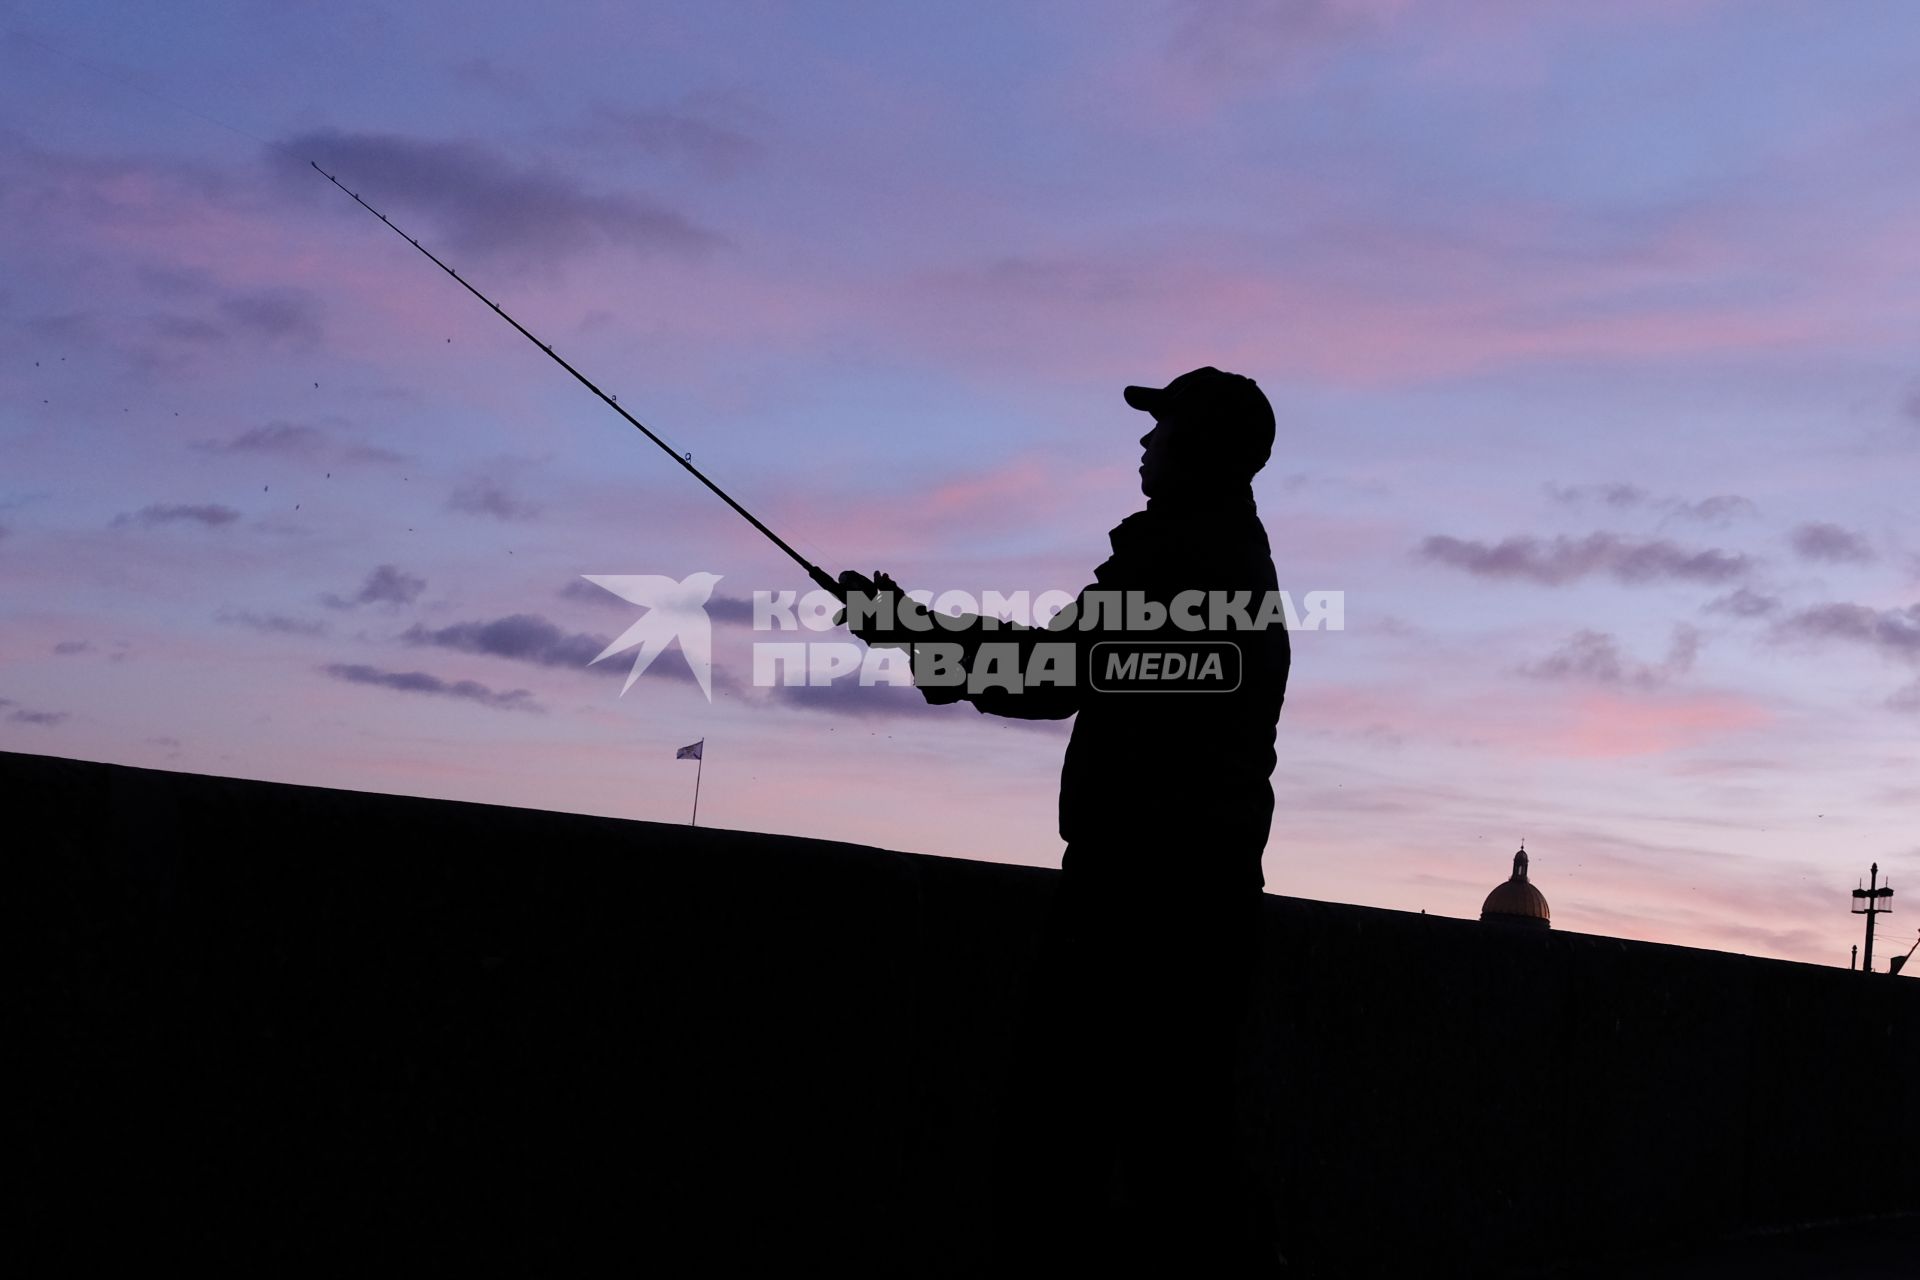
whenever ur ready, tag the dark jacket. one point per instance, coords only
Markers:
(1171, 786)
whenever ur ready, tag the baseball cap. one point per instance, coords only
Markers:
(1228, 402)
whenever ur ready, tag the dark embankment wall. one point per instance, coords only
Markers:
(272, 1023)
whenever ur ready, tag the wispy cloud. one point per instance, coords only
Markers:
(1594, 657)
(1893, 633)
(288, 439)
(272, 315)
(1623, 497)
(1744, 602)
(1241, 42)
(297, 440)
(675, 134)
(1830, 544)
(281, 315)
(1717, 509)
(523, 637)
(208, 514)
(27, 715)
(490, 77)
(273, 623)
(483, 498)
(1563, 560)
(528, 637)
(483, 202)
(387, 584)
(861, 702)
(422, 682)
(720, 608)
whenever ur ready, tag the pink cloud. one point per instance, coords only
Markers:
(1343, 298)
(1611, 726)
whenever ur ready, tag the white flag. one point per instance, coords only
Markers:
(690, 753)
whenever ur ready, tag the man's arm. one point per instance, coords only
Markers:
(990, 654)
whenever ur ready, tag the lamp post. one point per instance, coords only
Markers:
(1875, 899)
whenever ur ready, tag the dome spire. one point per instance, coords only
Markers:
(1515, 900)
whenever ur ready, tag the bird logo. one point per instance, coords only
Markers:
(674, 610)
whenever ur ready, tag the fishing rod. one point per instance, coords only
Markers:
(814, 571)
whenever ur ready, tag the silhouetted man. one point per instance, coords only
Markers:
(1118, 1143)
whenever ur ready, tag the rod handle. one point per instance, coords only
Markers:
(826, 582)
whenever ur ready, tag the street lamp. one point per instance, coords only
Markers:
(1876, 899)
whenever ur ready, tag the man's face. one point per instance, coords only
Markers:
(1157, 459)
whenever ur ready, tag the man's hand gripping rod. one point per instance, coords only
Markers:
(814, 571)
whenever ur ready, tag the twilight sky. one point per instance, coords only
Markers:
(1593, 330)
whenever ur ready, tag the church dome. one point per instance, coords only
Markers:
(1516, 901)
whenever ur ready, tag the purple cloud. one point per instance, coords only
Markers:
(1715, 510)
(179, 328)
(68, 648)
(387, 584)
(1592, 657)
(488, 76)
(422, 682)
(24, 715)
(66, 328)
(484, 499)
(277, 315)
(1566, 560)
(523, 637)
(528, 637)
(296, 440)
(273, 623)
(1621, 496)
(1830, 544)
(280, 315)
(1222, 43)
(1744, 603)
(581, 589)
(286, 439)
(1893, 633)
(720, 608)
(211, 515)
(848, 697)
(675, 135)
(483, 202)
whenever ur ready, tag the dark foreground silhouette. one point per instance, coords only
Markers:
(1117, 1134)
(269, 1027)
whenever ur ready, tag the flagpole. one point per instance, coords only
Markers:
(699, 766)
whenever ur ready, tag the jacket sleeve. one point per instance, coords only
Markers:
(1016, 650)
